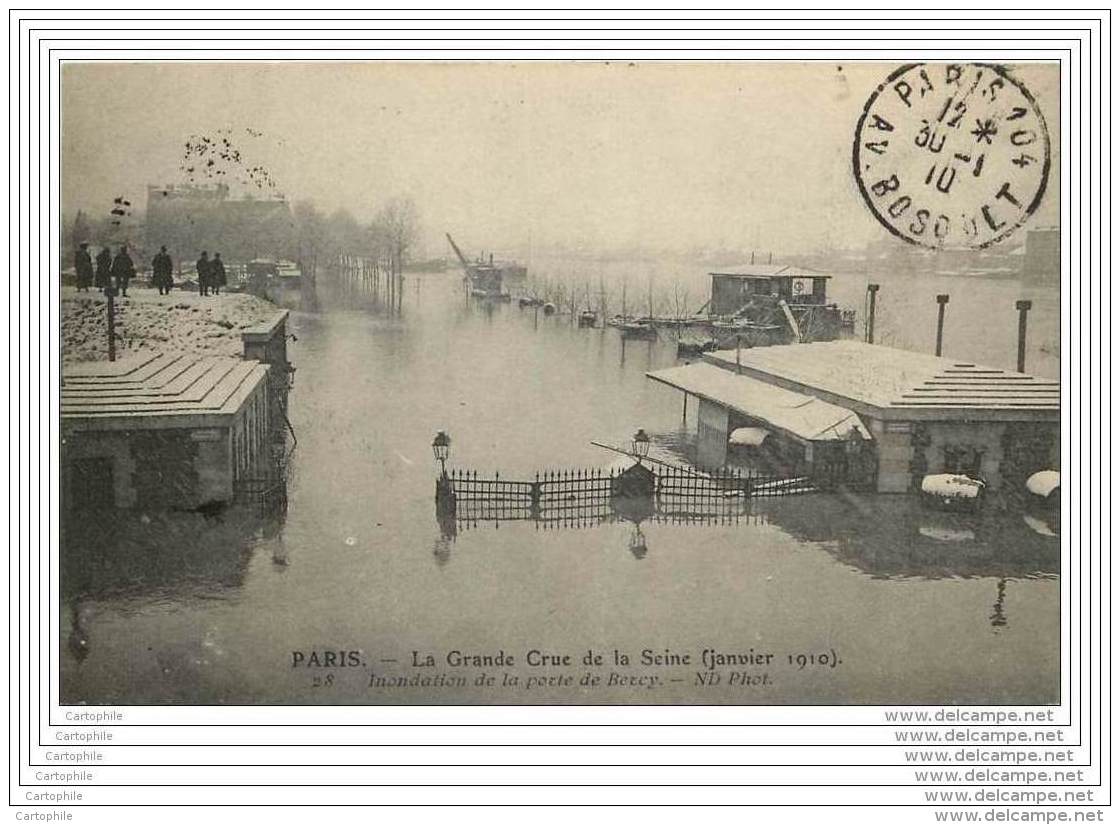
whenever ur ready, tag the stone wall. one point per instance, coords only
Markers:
(1008, 451)
(114, 447)
(1028, 448)
(160, 469)
(983, 438)
(164, 474)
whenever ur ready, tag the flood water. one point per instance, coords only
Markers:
(854, 599)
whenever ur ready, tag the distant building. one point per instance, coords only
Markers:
(884, 417)
(1042, 256)
(189, 218)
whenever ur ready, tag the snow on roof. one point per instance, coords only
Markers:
(1044, 482)
(748, 436)
(895, 379)
(142, 388)
(801, 415)
(770, 271)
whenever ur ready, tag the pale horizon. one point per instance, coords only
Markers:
(513, 156)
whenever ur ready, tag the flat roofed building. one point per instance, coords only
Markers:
(924, 414)
(162, 431)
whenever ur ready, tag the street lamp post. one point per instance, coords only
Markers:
(640, 445)
(445, 491)
(441, 447)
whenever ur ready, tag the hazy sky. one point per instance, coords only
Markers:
(504, 155)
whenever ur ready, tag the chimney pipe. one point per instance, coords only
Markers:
(941, 301)
(872, 290)
(1023, 307)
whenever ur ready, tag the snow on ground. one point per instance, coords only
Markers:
(149, 322)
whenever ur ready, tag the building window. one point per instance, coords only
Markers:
(963, 459)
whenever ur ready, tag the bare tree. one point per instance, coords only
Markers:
(398, 224)
(394, 232)
(309, 236)
(345, 234)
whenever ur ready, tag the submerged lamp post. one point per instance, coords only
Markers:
(633, 490)
(640, 445)
(441, 447)
(445, 491)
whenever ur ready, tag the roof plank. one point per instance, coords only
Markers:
(876, 376)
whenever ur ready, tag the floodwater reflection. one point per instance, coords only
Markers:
(925, 607)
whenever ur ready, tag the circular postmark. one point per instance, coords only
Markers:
(951, 155)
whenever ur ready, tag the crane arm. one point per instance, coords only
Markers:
(462, 258)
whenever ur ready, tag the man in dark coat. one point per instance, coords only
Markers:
(161, 271)
(83, 267)
(217, 273)
(104, 268)
(123, 270)
(202, 268)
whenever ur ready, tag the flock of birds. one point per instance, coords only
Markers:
(212, 157)
(215, 157)
(121, 209)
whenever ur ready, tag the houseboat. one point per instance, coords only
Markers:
(761, 305)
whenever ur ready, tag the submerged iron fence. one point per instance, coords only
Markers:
(268, 497)
(266, 494)
(477, 513)
(586, 497)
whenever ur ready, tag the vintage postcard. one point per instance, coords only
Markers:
(553, 382)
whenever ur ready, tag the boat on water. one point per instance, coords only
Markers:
(281, 282)
(763, 305)
(488, 276)
(640, 329)
(588, 318)
(487, 295)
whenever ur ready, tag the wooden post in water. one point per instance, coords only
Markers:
(941, 301)
(1021, 362)
(872, 291)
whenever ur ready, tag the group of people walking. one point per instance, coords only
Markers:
(118, 270)
(211, 273)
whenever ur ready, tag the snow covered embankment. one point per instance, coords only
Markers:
(183, 322)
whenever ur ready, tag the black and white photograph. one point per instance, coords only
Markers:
(560, 382)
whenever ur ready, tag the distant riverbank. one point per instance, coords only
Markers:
(150, 322)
